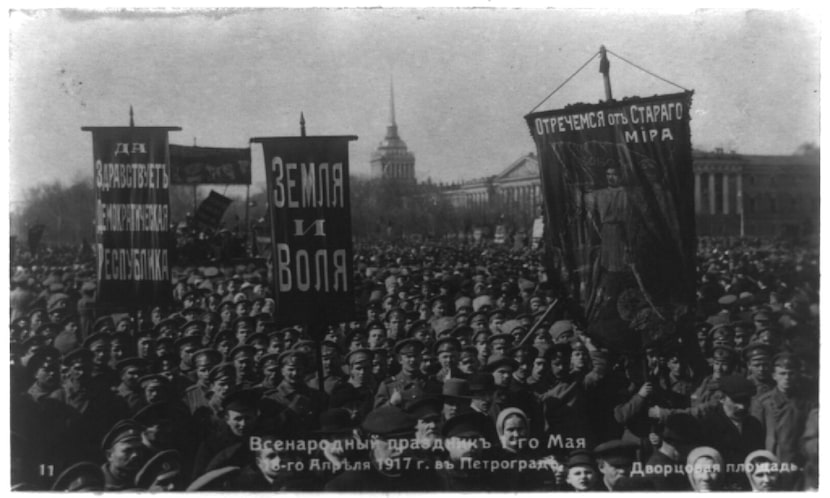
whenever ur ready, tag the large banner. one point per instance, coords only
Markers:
(311, 227)
(618, 184)
(209, 165)
(211, 210)
(132, 215)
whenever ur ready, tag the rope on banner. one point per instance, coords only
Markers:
(646, 70)
(565, 82)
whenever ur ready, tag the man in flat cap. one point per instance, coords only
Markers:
(302, 404)
(357, 393)
(614, 461)
(124, 455)
(758, 357)
(409, 383)
(196, 395)
(387, 427)
(724, 359)
(783, 413)
(130, 371)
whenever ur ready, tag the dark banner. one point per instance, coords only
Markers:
(210, 211)
(206, 165)
(132, 215)
(311, 227)
(35, 235)
(618, 184)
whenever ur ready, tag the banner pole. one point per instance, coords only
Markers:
(605, 69)
(247, 207)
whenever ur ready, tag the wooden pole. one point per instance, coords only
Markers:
(605, 69)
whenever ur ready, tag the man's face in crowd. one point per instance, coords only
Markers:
(538, 367)
(785, 378)
(447, 359)
(482, 346)
(243, 331)
(735, 409)
(558, 367)
(145, 347)
(100, 352)
(270, 374)
(385, 455)
(372, 313)
(126, 456)
(612, 176)
(244, 363)
(328, 361)
(478, 322)
(268, 461)
(275, 344)
(426, 430)
(438, 309)
(375, 336)
(613, 473)
(78, 372)
(495, 324)
(48, 375)
(581, 477)
(186, 353)
(501, 376)
(498, 347)
(481, 402)
(292, 374)
(759, 369)
(130, 376)
(579, 359)
(721, 368)
(220, 387)
(395, 325)
(203, 366)
(242, 308)
(468, 364)
(359, 373)
(429, 364)
(535, 305)
(226, 314)
(240, 422)
(153, 392)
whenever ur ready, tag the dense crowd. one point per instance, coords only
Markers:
(463, 370)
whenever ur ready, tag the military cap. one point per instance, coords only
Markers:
(169, 323)
(56, 301)
(292, 357)
(48, 329)
(331, 345)
(40, 358)
(257, 337)
(163, 466)
(483, 302)
(511, 325)
(241, 400)
(416, 326)
(336, 420)
(305, 344)
(269, 359)
(498, 361)
(194, 327)
(526, 349)
(408, 346)
(496, 312)
(389, 421)
(616, 452)
(443, 325)
(215, 480)
(154, 413)
(224, 335)
(464, 302)
(485, 332)
(83, 476)
(154, 378)
(425, 406)
(455, 389)
(681, 429)
(561, 327)
(210, 355)
(99, 336)
(222, 370)
(167, 341)
(728, 300)
(787, 359)
(757, 350)
(723, 352)
(480, 383)
(242, 349)
(446, 344)
(131, 362)
(468, 352)
(580, 458)
(77, 355)
(123, 430)
(507, 338)
(184, 341)
(359, 355)
(737, 387)
(243, 319)
(467, 425)
(462, 332)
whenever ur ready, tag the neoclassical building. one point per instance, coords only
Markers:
(735, 194)
(392, 160)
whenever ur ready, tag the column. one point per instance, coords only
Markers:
(711, 193)
(726, 193)
(698, 200)
(740, 194)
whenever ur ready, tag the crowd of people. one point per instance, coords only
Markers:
(461, 371)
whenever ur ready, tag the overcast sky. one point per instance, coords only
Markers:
(463, 78)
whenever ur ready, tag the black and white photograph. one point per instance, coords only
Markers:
(383, 248)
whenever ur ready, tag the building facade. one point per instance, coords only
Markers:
(392, 160)
(735, 194)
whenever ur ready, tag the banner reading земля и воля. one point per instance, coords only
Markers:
(132, 215)
(618, 183)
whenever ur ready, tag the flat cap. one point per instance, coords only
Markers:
(616, 452)
(408, 346)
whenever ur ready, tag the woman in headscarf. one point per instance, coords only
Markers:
(705, 468)
(761, 468)
(513, 428)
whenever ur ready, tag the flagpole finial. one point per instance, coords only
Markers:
(302, 124)
(132, 122)
(605, 69)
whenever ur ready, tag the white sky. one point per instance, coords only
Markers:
(464, 78)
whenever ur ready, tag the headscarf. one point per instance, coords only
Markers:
(708, 452)
(505, 414)
(766, 455)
